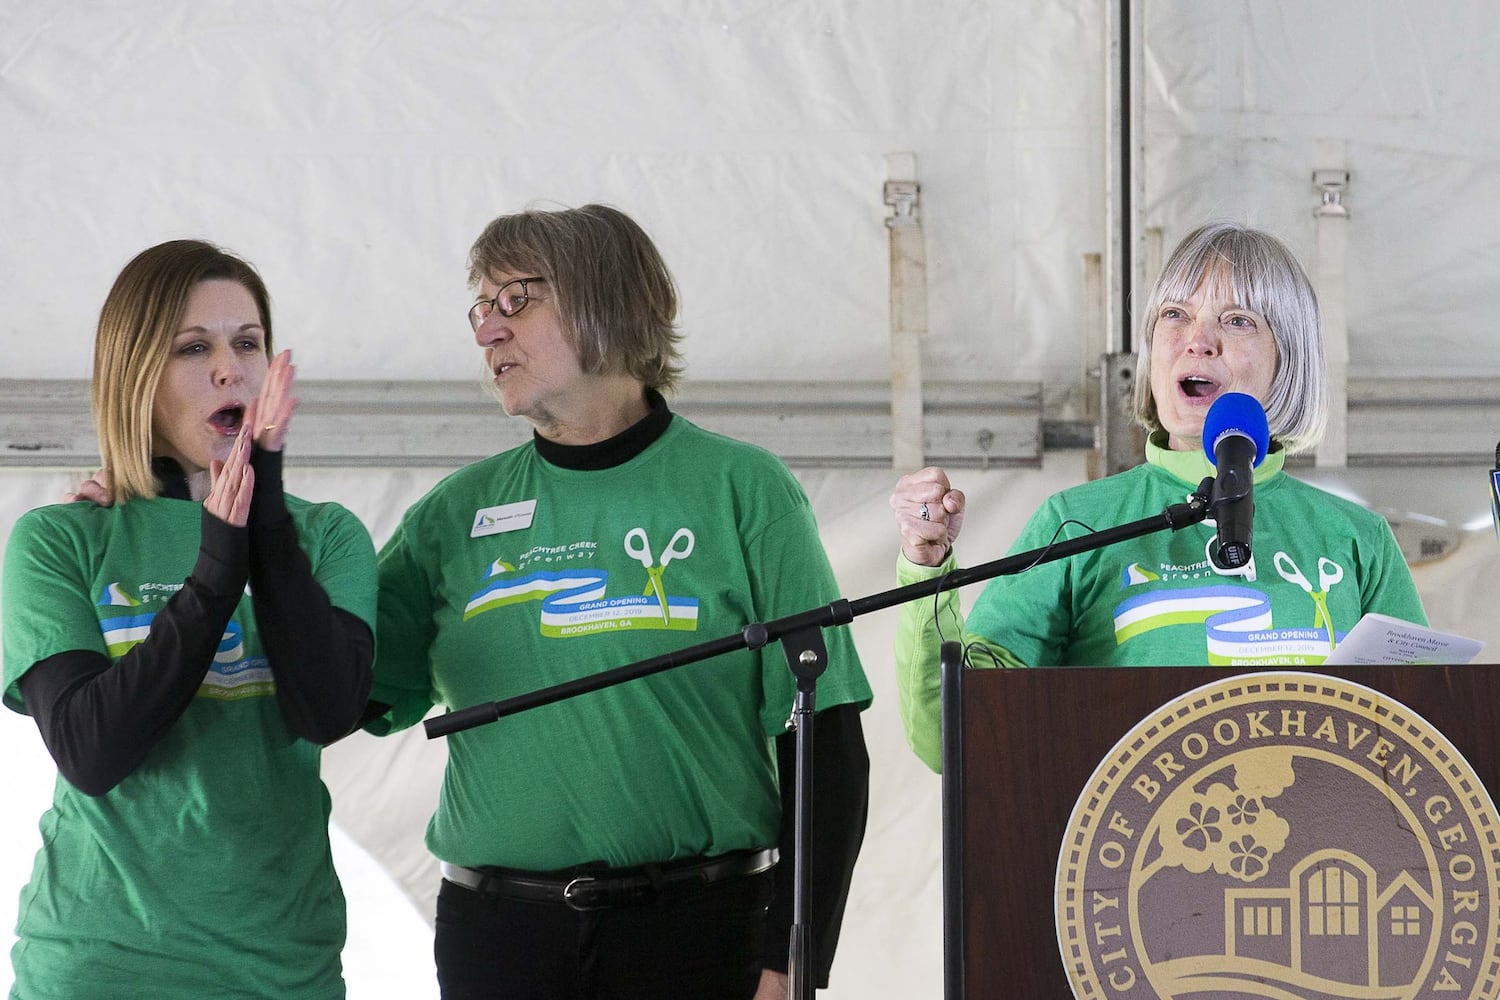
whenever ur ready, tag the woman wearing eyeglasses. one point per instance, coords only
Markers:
(185, 644)
(1232, 312)
(621, 843)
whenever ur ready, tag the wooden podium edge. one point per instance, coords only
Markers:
(1455, 700)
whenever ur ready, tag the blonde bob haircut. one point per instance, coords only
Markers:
(613, 293)
(141, 316)
(1257, 272)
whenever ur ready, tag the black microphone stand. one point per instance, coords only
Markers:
(801, 637)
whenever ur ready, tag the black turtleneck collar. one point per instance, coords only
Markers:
(171, 481)
(614, 451)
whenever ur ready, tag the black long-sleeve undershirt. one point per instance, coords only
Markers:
(320, 655)
(99, 721)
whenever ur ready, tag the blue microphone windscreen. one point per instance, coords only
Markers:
(1236, 412)
(1495, 495)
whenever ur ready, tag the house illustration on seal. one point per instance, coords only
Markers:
(1334, 921)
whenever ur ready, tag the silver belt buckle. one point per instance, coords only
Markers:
(575, 884)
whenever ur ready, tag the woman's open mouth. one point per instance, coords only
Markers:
(228, 419)
(1198, 387)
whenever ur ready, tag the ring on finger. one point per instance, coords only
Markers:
(923, 514)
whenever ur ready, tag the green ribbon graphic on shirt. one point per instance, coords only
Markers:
(1237, 624)
(573, 603)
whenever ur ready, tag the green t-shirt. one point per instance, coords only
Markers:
(514, 574)
(1320, 563)
(207, 871)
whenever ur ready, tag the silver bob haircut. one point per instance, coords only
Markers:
(1262, 275)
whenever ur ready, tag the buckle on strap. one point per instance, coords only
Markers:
(592, 892)
(574, 892)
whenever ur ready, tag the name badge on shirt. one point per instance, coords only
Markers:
(506, 517)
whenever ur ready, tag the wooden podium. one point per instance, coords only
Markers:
(1020, 745)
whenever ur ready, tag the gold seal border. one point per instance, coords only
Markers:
(1446, 759)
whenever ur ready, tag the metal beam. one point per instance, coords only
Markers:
(1423, 421)
(1392, 422)
(1124, 170)
(908, 280)
(46, 423)
(1330, 278)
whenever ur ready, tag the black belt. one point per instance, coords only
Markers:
(610, 887)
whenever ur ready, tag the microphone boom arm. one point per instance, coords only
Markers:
(840, 612)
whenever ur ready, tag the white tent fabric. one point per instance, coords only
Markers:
(354, 150)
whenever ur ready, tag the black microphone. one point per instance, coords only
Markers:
(1235, 438)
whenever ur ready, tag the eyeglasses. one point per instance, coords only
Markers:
(509, 300)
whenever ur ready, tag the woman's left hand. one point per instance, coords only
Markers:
(929, 514)
(271, 414)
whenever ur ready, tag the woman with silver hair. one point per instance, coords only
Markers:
(1233, 311)
(622, 843)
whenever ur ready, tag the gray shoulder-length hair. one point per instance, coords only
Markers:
(613, 292)
(1263, 275)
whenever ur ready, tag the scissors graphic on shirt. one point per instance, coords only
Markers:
(1329, 573)
(638, 547)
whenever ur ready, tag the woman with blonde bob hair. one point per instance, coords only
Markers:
(186, 639)
(136, 328)
(1232, 312)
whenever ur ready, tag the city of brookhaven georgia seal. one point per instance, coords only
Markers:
(1281, 835)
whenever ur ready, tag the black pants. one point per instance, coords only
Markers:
(707, 945)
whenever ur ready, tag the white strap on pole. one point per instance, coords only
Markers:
(908, 279)
(1330, 278)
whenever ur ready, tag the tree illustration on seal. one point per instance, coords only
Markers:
(1229, 828)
